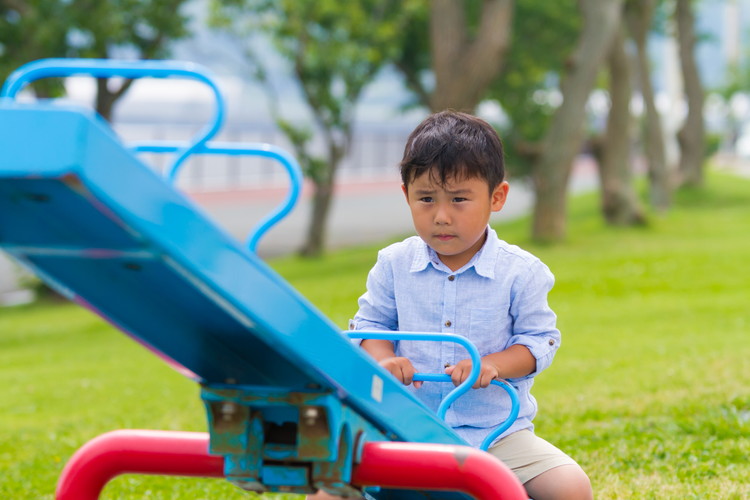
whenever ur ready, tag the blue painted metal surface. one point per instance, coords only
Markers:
(286, 393)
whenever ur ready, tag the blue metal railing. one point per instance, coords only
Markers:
(264, 150)
(199, 144)
(105, 68)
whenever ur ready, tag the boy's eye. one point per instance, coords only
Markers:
(459, 199)
(426, 199)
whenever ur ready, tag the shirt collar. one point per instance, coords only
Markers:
(483, 261)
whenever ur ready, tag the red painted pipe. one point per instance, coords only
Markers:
(138, 452)
(426, 466)
(393, 465)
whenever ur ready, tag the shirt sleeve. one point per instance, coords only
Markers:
(377, 306)
(534, 322)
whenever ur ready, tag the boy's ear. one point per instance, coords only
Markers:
(405, 191)
(499, 195)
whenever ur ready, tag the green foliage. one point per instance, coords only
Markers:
(144, 26)
(35, 29)
(543, 37)
(334, 49)
(30, 30)
(544, 34)
(649, 391)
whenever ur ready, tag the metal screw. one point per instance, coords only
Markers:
(311, 415)
(227, 410)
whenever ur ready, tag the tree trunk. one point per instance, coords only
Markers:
(691, 136)
(317, 229)
(323, 187)
(563, 139)
(639, 15)
(464, 68)
(620, 205)
(106, 98)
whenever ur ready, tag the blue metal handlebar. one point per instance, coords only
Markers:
(104, 68)
(242, 149)
(514, 404)
(462, 388)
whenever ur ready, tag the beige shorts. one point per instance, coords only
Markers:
(528, 455)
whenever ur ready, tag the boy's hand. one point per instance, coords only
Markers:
(402, 369)
(461, 370)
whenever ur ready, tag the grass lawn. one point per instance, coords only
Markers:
(650, 391)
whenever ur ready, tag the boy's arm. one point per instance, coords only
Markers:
(535, 337)
(377, 311)
(534, 322)
(514, 362)
(378, 349)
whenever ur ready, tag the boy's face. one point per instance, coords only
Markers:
(452, 218)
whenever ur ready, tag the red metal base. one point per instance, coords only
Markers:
(391, 465)
(138, 452)
(425, 466)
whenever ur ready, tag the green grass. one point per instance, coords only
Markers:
(650, 390)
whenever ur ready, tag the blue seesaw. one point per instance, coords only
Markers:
(292, 405)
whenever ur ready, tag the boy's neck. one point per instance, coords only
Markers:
(456, 262)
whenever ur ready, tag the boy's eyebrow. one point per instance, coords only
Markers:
(454, 192)
(459, 191)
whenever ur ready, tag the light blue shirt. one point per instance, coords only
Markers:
(497, 300)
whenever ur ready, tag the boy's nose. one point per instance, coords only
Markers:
(442, 216)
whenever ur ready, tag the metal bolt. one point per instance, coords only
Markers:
(227, 410)
(311, 415)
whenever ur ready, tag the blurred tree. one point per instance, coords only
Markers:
(335, 49)
(141, 28)
(463, 65)
(619, 201)
(563, 138)
(639, 16)
(692, 135)
(35, 29)
(451, 51)
(30, 30)
(527, 87)
(524, 84)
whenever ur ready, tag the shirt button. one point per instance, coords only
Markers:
(448, 323)
(551, 341)
(451, 277)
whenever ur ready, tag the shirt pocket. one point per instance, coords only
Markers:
(489, 329)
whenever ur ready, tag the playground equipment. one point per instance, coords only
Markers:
(291, 404)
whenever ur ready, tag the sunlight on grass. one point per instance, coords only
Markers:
(650, 390)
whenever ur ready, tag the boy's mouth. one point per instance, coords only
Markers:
(444, 237)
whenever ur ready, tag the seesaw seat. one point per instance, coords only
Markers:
(90, 218)
(290, 401)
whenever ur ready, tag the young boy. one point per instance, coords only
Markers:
(456, 276)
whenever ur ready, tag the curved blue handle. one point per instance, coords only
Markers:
(242, 149)
(514, 404)
(104, 68)
(462, 388)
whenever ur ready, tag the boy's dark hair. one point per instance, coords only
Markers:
(454, 145)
